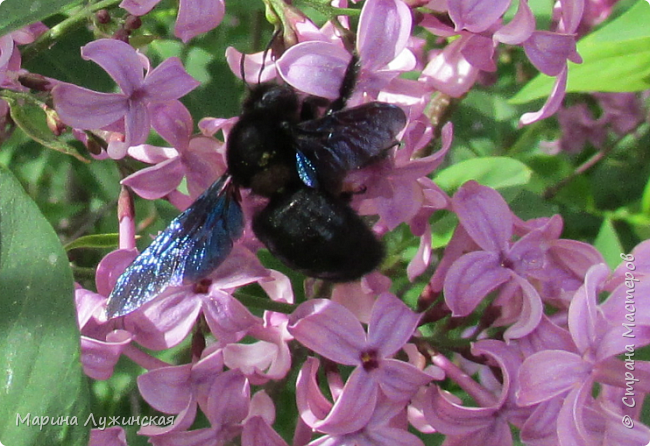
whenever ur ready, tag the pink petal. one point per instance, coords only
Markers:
(173, 122)
(476, 15)
(177, 384)
(315, 68)
(169, 80)
(312, 405)
(549, 51)
(549, 373)
(98, 358)
(197, 16)
(156, 181)
(256, 68)
(225, 315)
(520, 27)
(166, 321)
(228, 398)
(552, 103)
(398, 380)
(584, 316)
(120, 61)
(470, 279)
(485, 215)
(152, 154)
(328, 329)
(479, 51)
(138, 7)
(531, 312)
(258, 432)
(449, 71)
(86, 109)
(384, 29)
(112, 436)
(137, 124)
(354, 408)
(391, 325)
(453, 419)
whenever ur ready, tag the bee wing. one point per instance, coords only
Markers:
(193, 245)
(348, 139)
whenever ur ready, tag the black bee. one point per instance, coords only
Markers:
(280, 150)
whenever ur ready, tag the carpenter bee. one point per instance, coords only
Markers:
(281, 150)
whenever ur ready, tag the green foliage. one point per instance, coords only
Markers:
(615, 58)
(39, 340)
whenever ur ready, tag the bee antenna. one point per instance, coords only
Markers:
(242, 71)
(275, 35)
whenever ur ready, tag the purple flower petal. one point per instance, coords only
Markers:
(138, 7)
(391, 325)
(137, 124)
(354, 407)
(86, 109)
(549, 51)
(550, 373)
(476, 15)
(470, 279)
(328, 329)
(315, 68)
(156, 181)
(228, 399)
(479, 51)
(119, 59)
(173, 122)
(531, 311)
(485, 215)
(399, 380)
(552, 103)
(176, 380)
(197, 16)
(520, 27)
(451, 418)
(257, 432)
(169, 80)
(384, 29)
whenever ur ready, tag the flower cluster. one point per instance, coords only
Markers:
(537, 348)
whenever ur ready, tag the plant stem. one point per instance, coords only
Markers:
(265, 304)
(50, 37)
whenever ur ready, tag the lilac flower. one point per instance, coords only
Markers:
(358, 422)
(199, 159)
(329, 329)
(112, 436)
(570, 375)
(87, 109)
(194, 16)
(10, 59)
(488, 224)
(317, 67)
(491, 420)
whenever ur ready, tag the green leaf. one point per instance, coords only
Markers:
(496, 172)
(94, 241)
(28, 113)
(616, 58)
(608, 244)
(14, 14)
(41, 375)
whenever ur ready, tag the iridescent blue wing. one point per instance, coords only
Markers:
(345, 140)
(194, 244)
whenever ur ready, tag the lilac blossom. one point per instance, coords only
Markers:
(194, 16)
(455, 69)
(130, 109)
(317, 67)
(483, 259)
(569, 375)
(332, 331)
